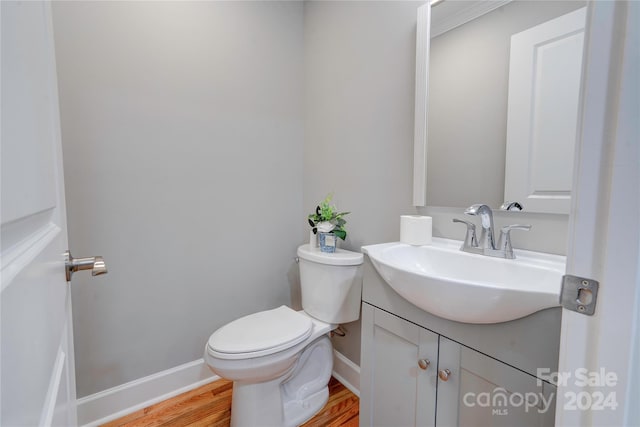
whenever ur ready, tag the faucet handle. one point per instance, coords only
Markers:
(470, 239)
(505, 238)
(508, 228)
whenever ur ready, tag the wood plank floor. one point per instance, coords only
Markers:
(210, 405)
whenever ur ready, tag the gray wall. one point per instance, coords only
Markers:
(183, 148)
(359, 95)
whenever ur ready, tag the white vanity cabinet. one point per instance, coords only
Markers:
(420, 370)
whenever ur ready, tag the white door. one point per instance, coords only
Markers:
(544, 87)
(36, 359)
(599, 354)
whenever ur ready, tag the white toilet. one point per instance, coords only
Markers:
(280, 360)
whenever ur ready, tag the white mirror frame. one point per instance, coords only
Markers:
(423, 42)
(421, 106)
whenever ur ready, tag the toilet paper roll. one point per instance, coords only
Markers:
(415, 229)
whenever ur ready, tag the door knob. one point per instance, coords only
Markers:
(444, 374)
(424, 364)
(95, 264)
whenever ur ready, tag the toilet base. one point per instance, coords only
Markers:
(288, 400)
(299, 412)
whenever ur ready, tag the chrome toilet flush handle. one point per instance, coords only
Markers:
(95, 264)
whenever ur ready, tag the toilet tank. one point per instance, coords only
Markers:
(331, 284)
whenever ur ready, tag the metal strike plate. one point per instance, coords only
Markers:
(579, 294)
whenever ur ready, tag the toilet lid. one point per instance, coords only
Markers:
(339, 257)
(260, 334)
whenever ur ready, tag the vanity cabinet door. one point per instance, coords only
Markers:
(477, 390)
(398, 371)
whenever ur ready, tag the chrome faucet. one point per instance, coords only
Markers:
(486, 218)
(486, 244)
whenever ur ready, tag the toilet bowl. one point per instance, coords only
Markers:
(280, 360)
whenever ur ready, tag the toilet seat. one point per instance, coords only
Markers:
(260, 334)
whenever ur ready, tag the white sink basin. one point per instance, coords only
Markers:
(466, 287)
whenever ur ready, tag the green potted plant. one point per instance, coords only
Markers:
(327, 223)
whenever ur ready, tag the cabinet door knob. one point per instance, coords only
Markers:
(424, 364)
(444, 374)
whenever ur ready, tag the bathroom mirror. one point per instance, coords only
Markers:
(468, 101)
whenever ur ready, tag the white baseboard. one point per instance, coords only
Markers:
(124, 399)
(116, 402)
(347, 372)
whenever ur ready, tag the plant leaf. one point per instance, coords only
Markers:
(340, 233)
